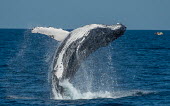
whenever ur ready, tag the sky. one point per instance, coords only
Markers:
(70, 14)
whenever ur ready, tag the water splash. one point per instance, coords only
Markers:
(72, 93)
(88, 85)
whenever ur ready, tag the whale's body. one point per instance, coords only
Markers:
(79, 44)
(75, 47)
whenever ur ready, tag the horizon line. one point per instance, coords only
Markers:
(75, 28)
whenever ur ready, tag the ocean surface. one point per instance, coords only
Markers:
(133, 70)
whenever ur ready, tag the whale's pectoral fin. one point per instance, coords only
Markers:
(57, 34)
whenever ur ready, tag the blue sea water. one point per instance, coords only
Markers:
(134, 69)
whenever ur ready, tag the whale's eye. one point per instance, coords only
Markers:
(52, 36)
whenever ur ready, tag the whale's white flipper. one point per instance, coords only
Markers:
(57, 34)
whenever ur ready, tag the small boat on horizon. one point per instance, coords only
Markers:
(159, 33)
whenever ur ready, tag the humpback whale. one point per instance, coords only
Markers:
(76, 47)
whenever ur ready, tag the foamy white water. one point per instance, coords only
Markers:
(73, 93)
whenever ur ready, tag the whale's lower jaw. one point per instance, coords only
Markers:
(77, 46)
